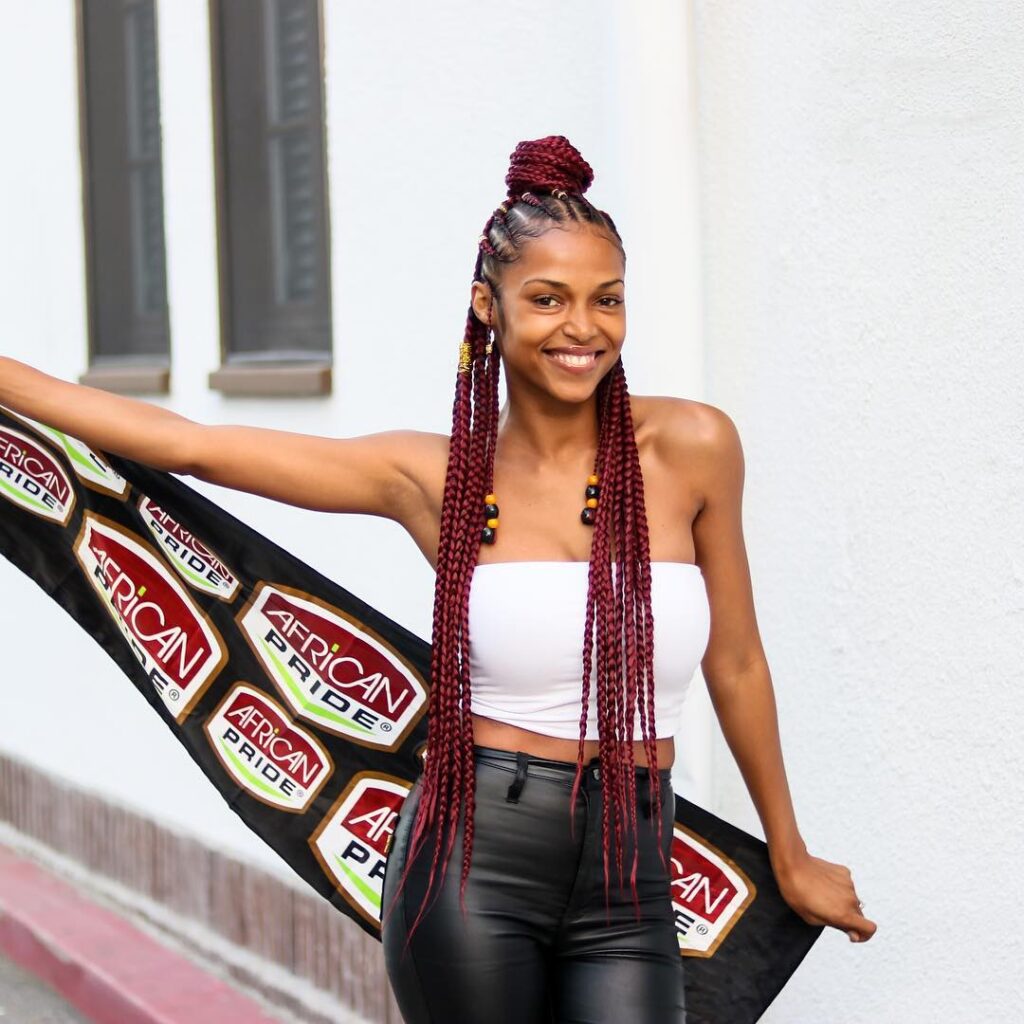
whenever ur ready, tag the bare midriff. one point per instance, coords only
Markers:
(489, 733)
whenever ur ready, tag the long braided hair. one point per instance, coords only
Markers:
(546, 182)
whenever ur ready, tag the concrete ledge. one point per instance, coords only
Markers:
(266, 379)
(129, 378)
(101, 964)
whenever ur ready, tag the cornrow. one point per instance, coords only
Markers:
(546, 182)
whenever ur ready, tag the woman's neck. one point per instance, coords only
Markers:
(548, 434)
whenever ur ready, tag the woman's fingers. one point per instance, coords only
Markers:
(822, 893)
(859, 928)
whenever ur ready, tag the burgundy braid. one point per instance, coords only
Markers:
(619, 620)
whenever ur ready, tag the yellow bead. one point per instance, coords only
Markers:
(492, 523)
(490, 499)
(592, 479)
(591, 502)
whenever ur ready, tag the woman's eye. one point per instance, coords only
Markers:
(607, 300)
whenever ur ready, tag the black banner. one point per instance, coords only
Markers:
(305, 706)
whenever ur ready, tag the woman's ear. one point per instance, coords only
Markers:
(481, 301)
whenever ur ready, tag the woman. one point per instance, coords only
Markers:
(550, 781)
(538, 932)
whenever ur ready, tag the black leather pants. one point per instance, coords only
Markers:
(535, 946)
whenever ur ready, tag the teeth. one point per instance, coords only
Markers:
(570, 360)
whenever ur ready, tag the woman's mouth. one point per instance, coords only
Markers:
(575, 363)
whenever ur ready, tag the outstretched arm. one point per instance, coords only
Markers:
(372, 474)
(740, 686)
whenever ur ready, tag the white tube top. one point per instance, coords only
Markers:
(526, 624)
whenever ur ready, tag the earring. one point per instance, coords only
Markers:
(490, 326)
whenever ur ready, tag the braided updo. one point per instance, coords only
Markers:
(546, 183)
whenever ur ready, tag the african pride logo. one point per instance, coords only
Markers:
(177, 645)
(33, 478)
(351, 842)
(194, 561)
(709, 893)
(331, 670)
(89, 466)
(265, 752)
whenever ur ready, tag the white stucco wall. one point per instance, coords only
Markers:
(424, 106)
(864, 243)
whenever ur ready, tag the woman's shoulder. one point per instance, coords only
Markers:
(687, 446)
(680, 427)
(421, 457)
(420, 452)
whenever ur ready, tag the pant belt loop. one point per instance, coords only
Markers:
(516, 785)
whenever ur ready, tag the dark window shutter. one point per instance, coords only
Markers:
(274, 246)
(123, 183)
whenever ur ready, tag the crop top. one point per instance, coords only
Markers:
(526, 644)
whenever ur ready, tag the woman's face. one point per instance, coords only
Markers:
(564, 295)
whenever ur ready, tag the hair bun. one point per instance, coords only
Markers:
(546, 164)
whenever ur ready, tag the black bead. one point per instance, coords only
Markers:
(490, 511)
(588, 515)
(593, 491)
(488, 535)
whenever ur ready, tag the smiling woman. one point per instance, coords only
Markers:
(551, 934)
(548, 310)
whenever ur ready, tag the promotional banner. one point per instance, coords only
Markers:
(305, 707)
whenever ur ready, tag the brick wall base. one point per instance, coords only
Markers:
(251, 909)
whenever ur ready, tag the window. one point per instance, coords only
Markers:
(273, 237)
(122, 185)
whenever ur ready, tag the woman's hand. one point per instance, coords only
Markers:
(822, 893)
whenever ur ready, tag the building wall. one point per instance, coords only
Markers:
(863, 240)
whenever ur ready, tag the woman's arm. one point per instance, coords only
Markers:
(734, 665)
(372, 474)
(110, 423)
(739, 681)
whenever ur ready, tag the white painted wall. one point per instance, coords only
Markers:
(424, 106)
(864, 247)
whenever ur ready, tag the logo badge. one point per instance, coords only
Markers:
(33, 478)
(709, 893)
(331, 670)
(351, 842)
(263, 750)
(89, 466)
(192, 559)
(177, 645)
